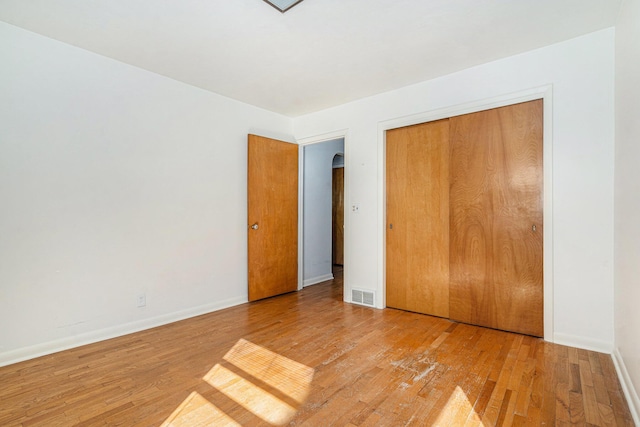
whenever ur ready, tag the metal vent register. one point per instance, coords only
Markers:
(363, 297)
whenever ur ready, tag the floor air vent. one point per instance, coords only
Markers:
(362, 297)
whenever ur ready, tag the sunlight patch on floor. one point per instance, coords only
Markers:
(253, 398)
(266, 384)
(458, 406)
(198, 411)
(289, 377)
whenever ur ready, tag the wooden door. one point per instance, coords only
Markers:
(417, 248)
(338, 216)
(496, 218)
(272, 217)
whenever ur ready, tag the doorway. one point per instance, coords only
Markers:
(317, 212)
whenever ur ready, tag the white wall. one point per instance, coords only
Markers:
(627, 200)
(582, 74)
(114, 182)
(317, 218)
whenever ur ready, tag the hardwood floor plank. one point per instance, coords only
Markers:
(591, 411)
(606, 415)
(502, 414)
(537, 385)
(483, 399)
(576, 382)
(586, 377)
(573, 355)
(519, 421)
(370, 368)
(602, 396)
(562, 403)
(525, 388)
(576, 408)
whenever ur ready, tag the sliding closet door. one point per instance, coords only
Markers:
(496, 218)
(417, 248)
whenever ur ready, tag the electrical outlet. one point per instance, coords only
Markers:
(355, 208)
(142, 300)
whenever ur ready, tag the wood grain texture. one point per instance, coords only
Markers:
(495, 201)
(337, 209)
(273, 206)
(417, 247)
(307, 358)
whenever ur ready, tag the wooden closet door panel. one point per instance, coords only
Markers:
(417, 248)
(496, 218)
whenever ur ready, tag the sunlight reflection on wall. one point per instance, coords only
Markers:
(267, 385)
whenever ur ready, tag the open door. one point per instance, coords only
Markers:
(272, 217)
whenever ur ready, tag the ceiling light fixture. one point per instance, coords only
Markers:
(283, 5)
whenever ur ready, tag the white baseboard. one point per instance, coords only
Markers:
(583, 343)
(31, 352)
(627, 386)
(317, 279)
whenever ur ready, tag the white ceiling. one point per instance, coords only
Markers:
(319, 54)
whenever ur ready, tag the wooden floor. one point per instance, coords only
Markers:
(307, 358)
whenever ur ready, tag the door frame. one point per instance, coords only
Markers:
(543, 92)
(316, 139)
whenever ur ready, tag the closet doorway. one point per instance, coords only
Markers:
(465, 218)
